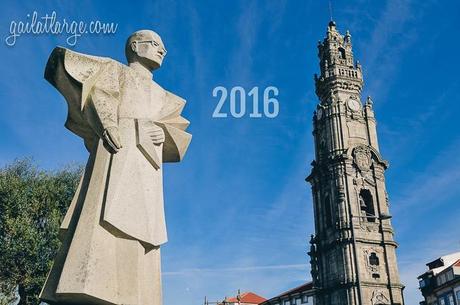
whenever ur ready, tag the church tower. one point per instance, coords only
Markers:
(353, 259)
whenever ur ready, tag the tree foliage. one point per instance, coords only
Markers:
(33, 203)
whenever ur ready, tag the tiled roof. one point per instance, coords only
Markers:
(247, 297)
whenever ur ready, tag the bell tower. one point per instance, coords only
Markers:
(353, 259)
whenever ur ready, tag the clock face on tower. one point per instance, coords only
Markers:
(354, 104)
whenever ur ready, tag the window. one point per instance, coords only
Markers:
(287, 302)
(366, 205)
(374, 259)
(421, 283)
(458, 297)
(304, 299)
(441, 279)
(450, 297)
(442, 301)
(342, 53)
(375, 276)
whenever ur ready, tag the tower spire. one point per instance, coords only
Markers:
(337, 64)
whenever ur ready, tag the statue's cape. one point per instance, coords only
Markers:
(74, 75)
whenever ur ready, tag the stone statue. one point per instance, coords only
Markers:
(115, 225)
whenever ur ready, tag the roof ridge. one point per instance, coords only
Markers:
(304, 284)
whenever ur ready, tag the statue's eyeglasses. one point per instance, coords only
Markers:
(153, 43)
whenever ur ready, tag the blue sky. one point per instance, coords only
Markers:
(238, 209)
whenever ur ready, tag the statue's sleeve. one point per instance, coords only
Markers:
(101, 106)
(174, 125)
(90, 86)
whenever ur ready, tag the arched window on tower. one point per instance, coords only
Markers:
(366, 205)
(328, 210)
(342, 53)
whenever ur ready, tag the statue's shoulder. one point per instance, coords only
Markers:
(169, 96)
(79, 66)
(172, 103)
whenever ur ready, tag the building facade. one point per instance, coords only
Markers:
(353, 259)
(440, 285)
(302, 295)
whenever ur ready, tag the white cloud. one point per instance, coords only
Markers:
(234, 269)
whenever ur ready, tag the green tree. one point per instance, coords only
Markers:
(33, 203)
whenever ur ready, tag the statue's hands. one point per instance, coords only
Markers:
(156, 133)
(111, 138)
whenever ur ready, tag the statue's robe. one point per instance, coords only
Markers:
(112, 232)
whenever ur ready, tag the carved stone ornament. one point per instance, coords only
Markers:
(378, 297)
(362, 158)
(319, 113)
(367, 254)
(369, 227)
(379, 172)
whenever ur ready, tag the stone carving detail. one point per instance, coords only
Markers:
(369, 102)
(367, 254)
(320, 112)
(378, 297)
(339, 84)
(379, 172)
(362, 158)
(369, 226)
(363, 179)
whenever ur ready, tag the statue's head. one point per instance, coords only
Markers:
(145, 47)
